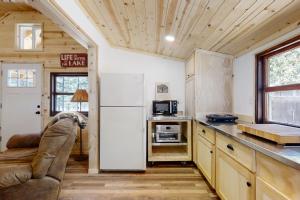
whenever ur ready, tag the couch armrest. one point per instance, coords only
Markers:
(24, 141)
(11, 175)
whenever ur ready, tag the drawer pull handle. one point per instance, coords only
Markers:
(229, 146)
(203, 131)
(248, 184)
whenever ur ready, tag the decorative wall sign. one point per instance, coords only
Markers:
(73, 60)
(162, 91)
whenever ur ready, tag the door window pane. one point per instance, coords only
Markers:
(21, 78)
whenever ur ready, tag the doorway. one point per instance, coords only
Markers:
(21, 100)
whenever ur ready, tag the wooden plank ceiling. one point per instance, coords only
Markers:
(6, 7)
(226, 26)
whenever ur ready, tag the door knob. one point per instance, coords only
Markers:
(37, 112)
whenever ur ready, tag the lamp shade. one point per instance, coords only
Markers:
(80, 96)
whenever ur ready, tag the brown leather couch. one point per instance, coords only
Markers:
(41, 178)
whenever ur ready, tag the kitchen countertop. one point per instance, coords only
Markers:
(169, 118)
(289, 155)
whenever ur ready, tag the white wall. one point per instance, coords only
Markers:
(244, 77)
(155, 70)
(112, 60)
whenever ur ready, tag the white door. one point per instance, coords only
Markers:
(122, 90)
(21, 100)
(122, 138)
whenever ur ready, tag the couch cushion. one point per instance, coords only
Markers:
(51, 145)
(18, 155)
(11, 175)
(24, 141)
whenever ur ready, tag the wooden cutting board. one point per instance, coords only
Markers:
(274, 132)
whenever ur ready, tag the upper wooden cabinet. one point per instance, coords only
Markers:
(190, 67)
(209, 82)
(190, 96)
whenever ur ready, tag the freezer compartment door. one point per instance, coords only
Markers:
(122, 90)
(122, 138)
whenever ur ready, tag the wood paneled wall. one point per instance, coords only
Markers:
(55, 41)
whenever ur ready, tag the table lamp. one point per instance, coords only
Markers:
(80, 96)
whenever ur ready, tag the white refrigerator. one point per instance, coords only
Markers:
(122, 122)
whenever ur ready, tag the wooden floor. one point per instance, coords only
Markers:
(157, 183)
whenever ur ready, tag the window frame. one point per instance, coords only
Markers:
(18, 35)
(261, 80)
(53, 92)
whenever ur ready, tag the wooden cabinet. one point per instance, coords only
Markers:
(204, 139)
(208, 82)
(233, 181)
(265, 191)
(275, 180)
(194, 140)
(181, 151)
(206, 159)
(239, 152)
(190, 67)
(190, 96)
(207, 133)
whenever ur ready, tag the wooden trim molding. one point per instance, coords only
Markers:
(261, 86)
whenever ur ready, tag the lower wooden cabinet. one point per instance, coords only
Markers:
(275, 180)
(265, 191)
(206, 159)
(195, 136)
(233, 181)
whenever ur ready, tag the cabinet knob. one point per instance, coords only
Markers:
(203, 131)
(248, 184)
(210, 151)
(229, 146)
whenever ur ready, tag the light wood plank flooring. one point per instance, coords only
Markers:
(157, 183)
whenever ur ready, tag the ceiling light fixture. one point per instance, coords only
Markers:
(170, 38)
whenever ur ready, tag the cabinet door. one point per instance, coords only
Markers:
(206, 159)
(190, 97)
(190, 67)
(264, 191)
(233, 181)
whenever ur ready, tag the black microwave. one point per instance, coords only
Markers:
(165, 107)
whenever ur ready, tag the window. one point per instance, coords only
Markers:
(63, 86)
(278, 84)
(29, 36)
(21, 78)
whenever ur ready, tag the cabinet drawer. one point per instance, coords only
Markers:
(241, 153)
(207, 133)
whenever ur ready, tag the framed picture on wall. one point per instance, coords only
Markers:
(162, 91)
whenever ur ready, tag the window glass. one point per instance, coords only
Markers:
(29, 36)
(284, 68)
(65, 87)
(21, 78)
(284, 106)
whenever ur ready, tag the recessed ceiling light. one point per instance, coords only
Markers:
(170, 38)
